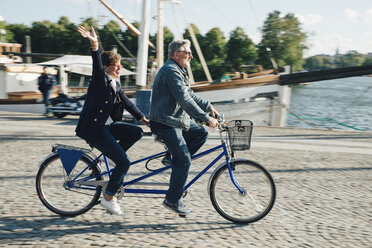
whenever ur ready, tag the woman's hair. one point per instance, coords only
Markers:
(110, 57)
(175, 46)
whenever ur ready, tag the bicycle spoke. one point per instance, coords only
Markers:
(258, 206)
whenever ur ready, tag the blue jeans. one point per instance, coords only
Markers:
(105, 141)
(46, 95)
(182, 145)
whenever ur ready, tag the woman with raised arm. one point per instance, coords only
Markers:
(97, 125)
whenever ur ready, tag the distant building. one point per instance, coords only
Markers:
(11, 48)
(324, 55)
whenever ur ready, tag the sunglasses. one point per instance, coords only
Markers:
(188, 53)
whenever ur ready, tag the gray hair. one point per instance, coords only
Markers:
(175, 46)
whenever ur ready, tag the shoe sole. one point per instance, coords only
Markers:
(180, 214)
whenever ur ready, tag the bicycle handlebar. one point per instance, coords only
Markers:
(220, 118)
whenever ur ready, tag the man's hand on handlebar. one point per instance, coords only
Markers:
(212, 122)
(213, 112)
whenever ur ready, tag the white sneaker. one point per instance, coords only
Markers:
(112, 206)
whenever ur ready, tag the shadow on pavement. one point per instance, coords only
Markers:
(64, 121)
(20, 228)
(7, 137)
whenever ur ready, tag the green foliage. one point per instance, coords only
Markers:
(283, 35)
(130, 39)
(199, 37)
(197, 70)
(351, 58)
(316, 63)
(217, 67)
(240, 50)
(214, 45)
(110, 32)
(18, 33)
(368, 60)
(167, 37)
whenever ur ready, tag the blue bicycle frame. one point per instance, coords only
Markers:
(153, 191)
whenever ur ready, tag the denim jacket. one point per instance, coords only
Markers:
(173, 101)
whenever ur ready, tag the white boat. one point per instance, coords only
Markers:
(18, 81)
(260, 99)
(264, 105)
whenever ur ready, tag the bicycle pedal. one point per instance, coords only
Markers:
(182, 215)
(184, 194)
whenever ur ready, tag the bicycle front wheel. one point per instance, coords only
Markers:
(54, 191)
(258, 195)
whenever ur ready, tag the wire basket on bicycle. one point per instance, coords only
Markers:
(239, 134)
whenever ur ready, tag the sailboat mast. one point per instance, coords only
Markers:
(128, 24)
(142, 45)
(160, 36)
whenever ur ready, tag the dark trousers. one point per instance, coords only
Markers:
(106, 142)
(182, 145)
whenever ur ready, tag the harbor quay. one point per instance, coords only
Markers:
(323, 180)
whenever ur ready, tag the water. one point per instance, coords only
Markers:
(337, 104)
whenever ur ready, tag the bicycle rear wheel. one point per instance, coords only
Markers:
(256, 201)
(52, 186)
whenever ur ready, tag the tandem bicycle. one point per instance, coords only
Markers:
(70, 179)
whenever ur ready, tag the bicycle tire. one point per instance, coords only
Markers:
(50, 186)
(254, 204)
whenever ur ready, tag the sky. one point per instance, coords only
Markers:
(330, 24)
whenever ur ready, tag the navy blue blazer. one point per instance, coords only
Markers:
(100, 102)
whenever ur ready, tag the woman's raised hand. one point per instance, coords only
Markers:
(91, 36)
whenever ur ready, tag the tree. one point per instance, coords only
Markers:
(199, 37)
(217, 67)
(214, 44)
(71, 41)
(316, 63)
(240, 50)
(214, 52)
(167, 37)
(6, 35)
(196, 66)
(313, 63)
(18, 33)
(87, 23)
(368, 61)
(110, 32)
(41, 37)
(283, 35)
(351, 58)
(130, 39)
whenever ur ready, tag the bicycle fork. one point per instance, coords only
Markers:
(231, 167)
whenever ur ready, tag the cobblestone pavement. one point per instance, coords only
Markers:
(323, 179)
